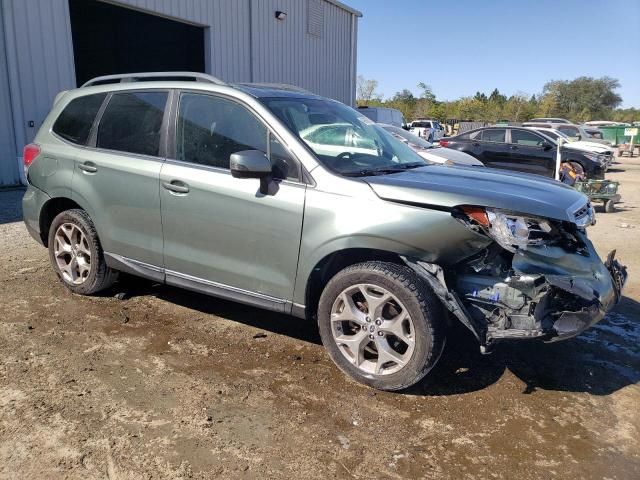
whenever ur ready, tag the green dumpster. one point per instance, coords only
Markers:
(616, 136)
(609, 133)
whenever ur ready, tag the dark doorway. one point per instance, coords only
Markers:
(108, 39)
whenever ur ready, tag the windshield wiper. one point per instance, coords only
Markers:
(385, 170)
(407, 166)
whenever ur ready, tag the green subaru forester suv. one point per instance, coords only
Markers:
(278, 198)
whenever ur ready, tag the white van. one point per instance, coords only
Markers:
(390, 116)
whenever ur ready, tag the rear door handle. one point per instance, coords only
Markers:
(176, 186)
(88, 167)
(513, 147)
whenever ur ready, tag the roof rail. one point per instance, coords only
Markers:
(278, 86)
(136, 77)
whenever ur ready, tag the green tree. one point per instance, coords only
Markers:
(481, 97)
(580, 99)
(497, 97)
(427, 92)
(584, 97)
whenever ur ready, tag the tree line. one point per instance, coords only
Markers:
(579, 100)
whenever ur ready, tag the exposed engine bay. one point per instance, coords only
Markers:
(552, 290)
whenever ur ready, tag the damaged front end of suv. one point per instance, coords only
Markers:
(538, 278)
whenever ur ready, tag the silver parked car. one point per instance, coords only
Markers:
(285, 200)
(430, 153)
(576, 132)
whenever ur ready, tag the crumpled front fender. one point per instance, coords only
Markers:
(550, 293)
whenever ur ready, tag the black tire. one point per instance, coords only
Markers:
(426, 311)
(100, 276)
(609, 206)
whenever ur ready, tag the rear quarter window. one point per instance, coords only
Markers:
(75, 121)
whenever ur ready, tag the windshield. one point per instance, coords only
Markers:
(343, 139)
(407, 137)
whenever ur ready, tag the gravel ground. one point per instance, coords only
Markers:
(165, 383)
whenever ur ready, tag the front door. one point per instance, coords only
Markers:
(531, 153)
(220, 233)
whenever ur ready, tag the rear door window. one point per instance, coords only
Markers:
(75, 121)
(132, 123)
(496, 135)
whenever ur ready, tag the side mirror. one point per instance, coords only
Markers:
(546, 145)
(251, 164)
(578, 137)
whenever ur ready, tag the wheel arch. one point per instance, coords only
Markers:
(49, 211)
(53, 207)
(334, 262)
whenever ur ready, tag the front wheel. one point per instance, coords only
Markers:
(381, 324)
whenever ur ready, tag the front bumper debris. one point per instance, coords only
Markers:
(548, 293)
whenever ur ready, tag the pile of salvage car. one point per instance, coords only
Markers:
(551, 147)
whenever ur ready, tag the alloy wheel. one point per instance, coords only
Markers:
(72, 253)
(372, 329)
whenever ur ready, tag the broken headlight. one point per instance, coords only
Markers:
(510, 230)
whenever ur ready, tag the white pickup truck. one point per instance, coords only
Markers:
(430, 130)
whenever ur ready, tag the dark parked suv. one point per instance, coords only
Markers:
(522, 150)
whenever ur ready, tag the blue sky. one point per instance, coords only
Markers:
(462, 46)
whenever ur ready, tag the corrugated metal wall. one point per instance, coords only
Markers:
(244, 42)
(39, 54)
(8, 167)
(283, 51)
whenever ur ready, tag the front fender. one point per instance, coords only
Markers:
(335, 222)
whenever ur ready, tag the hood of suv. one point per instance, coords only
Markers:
(439, 186)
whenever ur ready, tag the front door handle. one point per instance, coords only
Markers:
(88, 167)
(176, 186)
(513, 147)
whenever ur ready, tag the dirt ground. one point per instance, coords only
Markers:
(165, 383)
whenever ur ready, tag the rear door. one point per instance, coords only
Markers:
(530, 153)
(220, 232)
(117, 176)
(491, 148)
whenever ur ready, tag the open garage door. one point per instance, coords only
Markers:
(108, 39)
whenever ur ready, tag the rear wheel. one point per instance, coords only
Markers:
(76, 254)
(381, 324)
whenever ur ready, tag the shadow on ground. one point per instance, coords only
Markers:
(11, 205)
(601, 361)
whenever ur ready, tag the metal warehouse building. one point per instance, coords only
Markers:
(51, 45)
